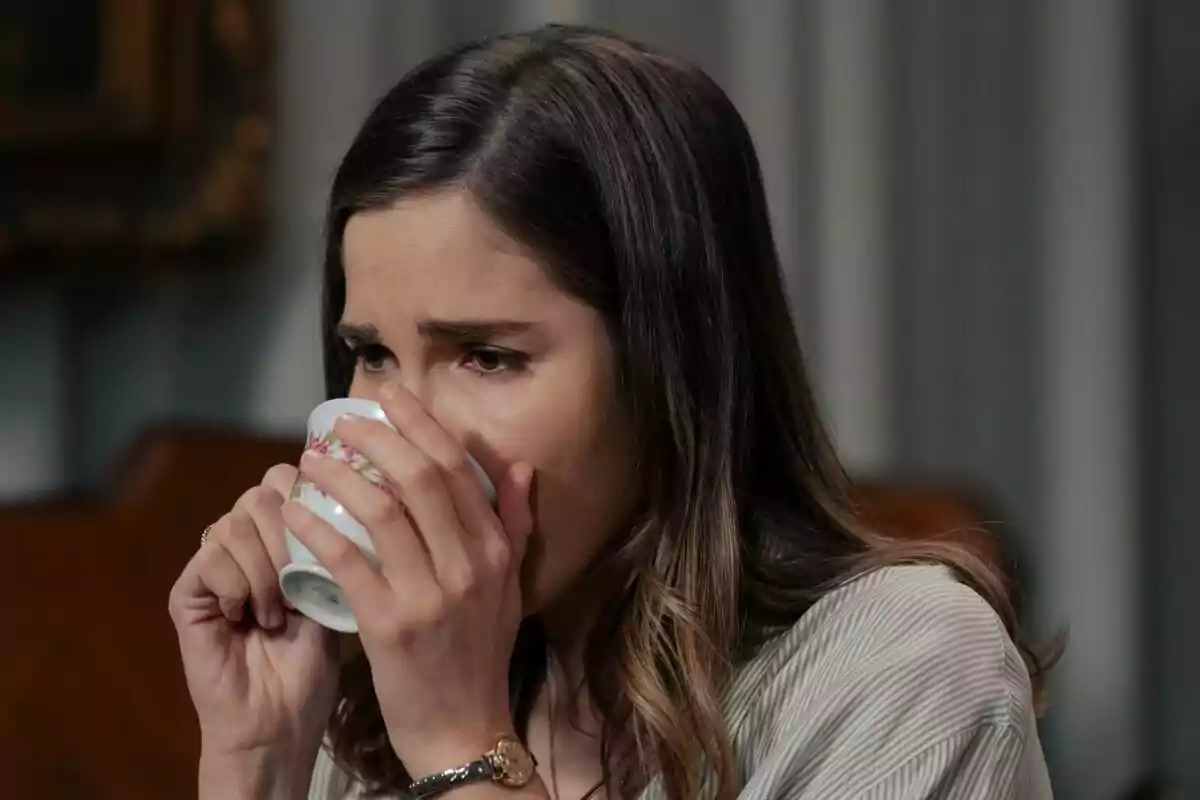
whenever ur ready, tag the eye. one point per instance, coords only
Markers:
(370, 358)
(494, 360)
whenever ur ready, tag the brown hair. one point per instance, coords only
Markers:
(634, 178)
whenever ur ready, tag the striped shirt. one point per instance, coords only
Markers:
(900, 685)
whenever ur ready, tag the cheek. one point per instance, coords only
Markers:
(583, 491)
(578, 510)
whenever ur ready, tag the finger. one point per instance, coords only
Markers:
(400, 551)
(419, 483)
(196, 608)
(263, 504)
(244, 542)
(281, 478)
(366, 590)
(515, 504)
(462, 477)
(215, 577)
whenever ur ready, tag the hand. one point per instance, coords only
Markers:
(264, 678)
(438, 617)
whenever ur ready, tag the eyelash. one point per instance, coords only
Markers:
(364, 353)
(510, 361)
(369, 357)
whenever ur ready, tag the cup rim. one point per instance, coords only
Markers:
(322, 418)
(297, 573)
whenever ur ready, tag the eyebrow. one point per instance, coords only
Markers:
(456, 330)
(472, 329)
(358, 334)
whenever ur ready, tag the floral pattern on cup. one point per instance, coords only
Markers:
(331, 446)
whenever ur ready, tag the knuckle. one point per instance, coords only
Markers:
(381, 509)
(216, 532)
(244, 531)
(460, 583)
(261, 575)
(265, 499)
(246, 500)
(458, 465)
(498, 554)
(404, 620)
(205, 556)
(175, 599)
(280, 476)
(391, 625)
(230, 606)
(222, 569)
(267, 594)
(431, 611)
(342, 553)
(377, 627)
(421, 475)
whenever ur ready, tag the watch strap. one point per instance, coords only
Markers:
(442, 782)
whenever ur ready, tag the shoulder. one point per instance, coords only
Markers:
(909, 630)
(897, 662)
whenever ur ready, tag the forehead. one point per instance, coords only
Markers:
(437, 255)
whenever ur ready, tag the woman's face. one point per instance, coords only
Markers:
(440, 301)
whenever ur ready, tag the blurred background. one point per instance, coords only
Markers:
(989, 212)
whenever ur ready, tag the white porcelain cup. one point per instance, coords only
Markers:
(306, 584)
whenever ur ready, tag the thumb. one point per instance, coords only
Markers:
(515, 507)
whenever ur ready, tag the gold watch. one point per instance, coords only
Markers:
(509, 763)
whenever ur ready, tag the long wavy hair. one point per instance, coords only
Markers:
(633, 178)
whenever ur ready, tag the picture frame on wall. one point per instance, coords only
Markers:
(132, 131)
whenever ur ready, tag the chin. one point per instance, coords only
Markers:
(534, 600)
(542, 592)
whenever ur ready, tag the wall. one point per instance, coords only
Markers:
(1170, 270)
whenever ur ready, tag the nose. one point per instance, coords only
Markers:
(365, 390)
(373, 389)
(439, 402)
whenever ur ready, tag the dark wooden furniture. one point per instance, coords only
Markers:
(92, 699)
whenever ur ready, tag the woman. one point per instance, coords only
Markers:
(552, 250)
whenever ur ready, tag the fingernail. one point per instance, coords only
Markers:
(347, 419)
(267, 616)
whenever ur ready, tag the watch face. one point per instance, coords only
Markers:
(512, 762)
